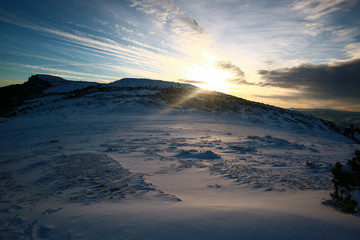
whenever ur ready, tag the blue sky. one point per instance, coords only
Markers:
(299, 53)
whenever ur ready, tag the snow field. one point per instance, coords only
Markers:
(69, 174)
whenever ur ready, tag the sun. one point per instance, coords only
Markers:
(209, 77)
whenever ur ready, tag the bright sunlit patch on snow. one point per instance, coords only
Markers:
(210, 77)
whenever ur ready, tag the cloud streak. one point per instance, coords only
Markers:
(127, 53)
(135, 53)
(60, 72)
(316, 9)
(318, 14)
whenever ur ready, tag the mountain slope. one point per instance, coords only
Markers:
(143, 159)
(138, 95)
(58, 93)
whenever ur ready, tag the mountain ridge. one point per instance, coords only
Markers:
(40, 85)
(46, 92)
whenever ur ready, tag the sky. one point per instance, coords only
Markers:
(287, 53)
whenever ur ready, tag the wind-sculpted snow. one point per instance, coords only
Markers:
(78, 178)
(262, 162)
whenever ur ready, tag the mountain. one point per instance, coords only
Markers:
(45, 90)
(149, 159)
(137, 95)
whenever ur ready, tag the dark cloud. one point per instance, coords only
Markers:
(193, 25)
(186, 26)
(192, 81)
(228, 66)
(324, 81)
(281, 97)
(239, 76)
(166, 12)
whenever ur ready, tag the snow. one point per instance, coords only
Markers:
(355, 194)
(60, 85)
(53, 80)
(142, 82)
(69, 86)
(106, 167)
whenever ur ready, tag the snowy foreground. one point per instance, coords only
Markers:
(78, 173)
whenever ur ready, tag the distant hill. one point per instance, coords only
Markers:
(343, 118)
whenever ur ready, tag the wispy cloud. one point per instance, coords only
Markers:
(4, 83)
(59, 72)
(347, 34)
(194, 41)
(186, 35)
(197, 40)
(318, 15)
(137, 54)
(316, 9)
(353, 50)
(163, 10)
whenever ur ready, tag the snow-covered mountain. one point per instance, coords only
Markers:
(138, 95)
(149, 94)
(148, 159)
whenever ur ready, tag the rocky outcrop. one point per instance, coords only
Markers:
(14, 95)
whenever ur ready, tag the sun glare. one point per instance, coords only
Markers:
(209, 77)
